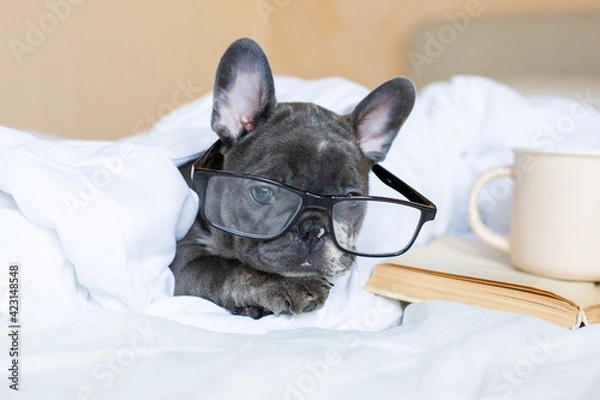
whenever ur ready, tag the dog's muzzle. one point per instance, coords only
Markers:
(313, 232)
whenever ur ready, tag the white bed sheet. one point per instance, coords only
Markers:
(94, 272)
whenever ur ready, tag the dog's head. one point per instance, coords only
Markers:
(303, 146)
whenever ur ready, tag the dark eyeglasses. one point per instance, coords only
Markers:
(264, 209)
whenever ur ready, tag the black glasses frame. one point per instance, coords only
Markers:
(202, 171)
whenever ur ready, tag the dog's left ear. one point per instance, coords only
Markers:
(379, 116)
(244, 93)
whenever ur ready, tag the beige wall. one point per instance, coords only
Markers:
(112, 67)
(106, 69)
(368, 40)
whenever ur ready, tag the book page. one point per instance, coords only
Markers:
(592, 307)
(414, 285)
(476, 260)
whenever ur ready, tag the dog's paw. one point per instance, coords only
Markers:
(300, 295)
(254, 312)
(286, 296)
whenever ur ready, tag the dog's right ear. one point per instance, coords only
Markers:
(244, 93)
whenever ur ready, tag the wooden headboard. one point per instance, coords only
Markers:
(507, 48)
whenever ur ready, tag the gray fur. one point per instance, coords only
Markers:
(301, 145)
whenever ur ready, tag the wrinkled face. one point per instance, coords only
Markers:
(310, 149)
(300, 145)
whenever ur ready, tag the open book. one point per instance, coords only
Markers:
(473, 273)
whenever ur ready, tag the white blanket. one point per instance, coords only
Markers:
(93, 228)
(442, 351)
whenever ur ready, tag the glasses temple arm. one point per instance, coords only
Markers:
(399, 185)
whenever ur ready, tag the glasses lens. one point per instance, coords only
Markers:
(386, 228)
(249, 206)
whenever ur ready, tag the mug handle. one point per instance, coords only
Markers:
(483, 232)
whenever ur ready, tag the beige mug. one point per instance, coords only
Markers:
(555, 213)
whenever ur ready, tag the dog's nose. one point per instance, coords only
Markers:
(312, 231)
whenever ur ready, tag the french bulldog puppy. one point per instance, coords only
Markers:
(300, 145)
